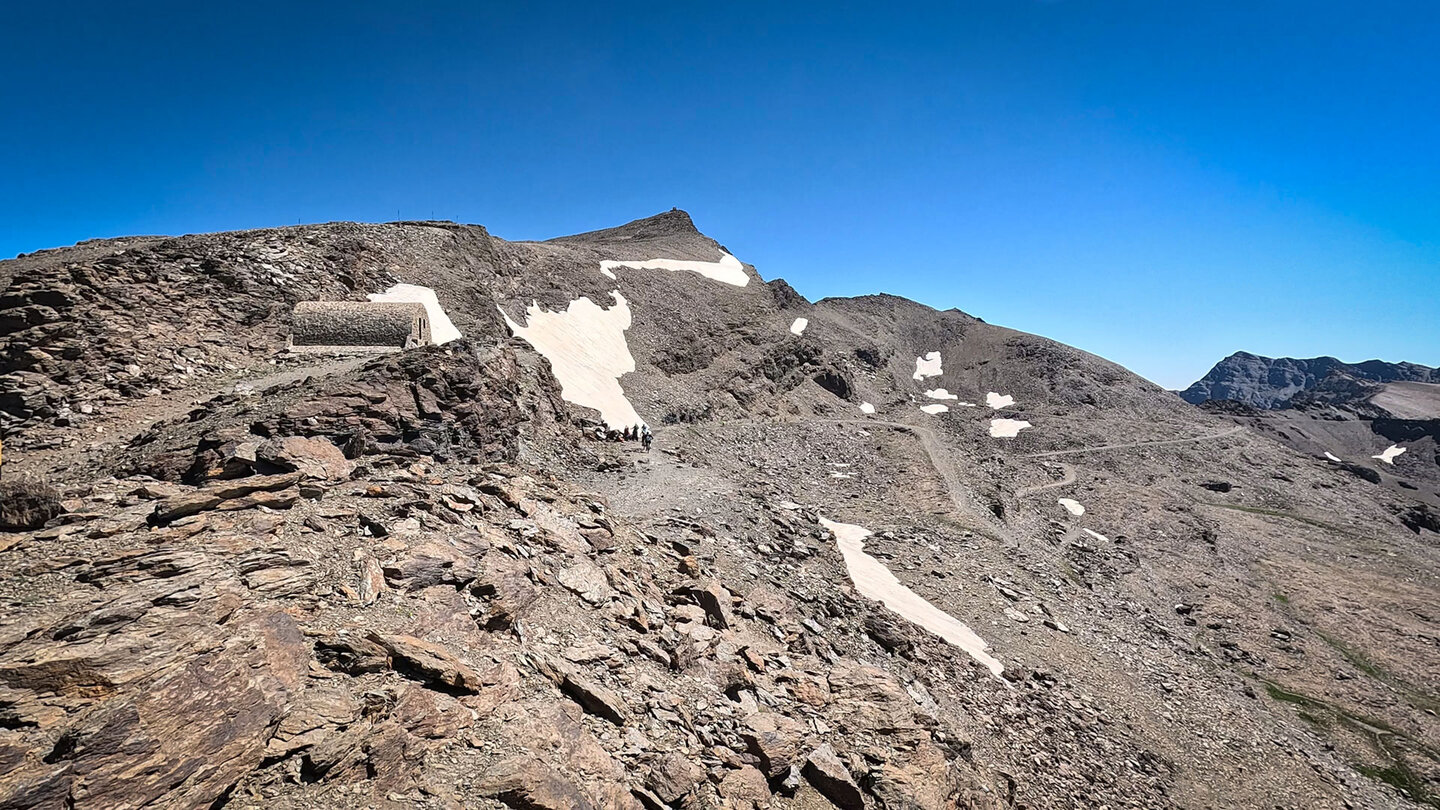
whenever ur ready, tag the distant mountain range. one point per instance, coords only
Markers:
(1275, 382)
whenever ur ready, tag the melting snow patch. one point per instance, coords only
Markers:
(798, 327)
(927, 366)
(1007, 428)
(1331, 456)
(937, 408)
(866, 407)
(1072, 506)
(1390, 453)
(728, 270)
(607, 272)
(940, 393)
(1098, 536)
(441, 329)
(873, 580)
(998, 401)
(586, 347)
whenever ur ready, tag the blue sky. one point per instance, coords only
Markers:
(1158, 183)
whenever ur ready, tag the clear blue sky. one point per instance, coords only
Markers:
(1161, 183)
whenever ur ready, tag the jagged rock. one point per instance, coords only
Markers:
(745, 787)
(829, 775)
(889, 631)
(351, 654)
(672, 777)
(526, 784)
(316, 458)
(186, 736)
(504, 584)
(777, 740)
(588, 581)
(428, 663)
(430, 564)
(593, 697)
(715, 600)
(214, 495)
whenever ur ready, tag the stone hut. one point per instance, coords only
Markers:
(341, 326)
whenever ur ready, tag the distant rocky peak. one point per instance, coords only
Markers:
(1275, 382)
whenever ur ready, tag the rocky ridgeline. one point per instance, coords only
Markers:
(1267, 382)
(88, 331)
(235, 578)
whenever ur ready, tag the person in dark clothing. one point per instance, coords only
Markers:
(646, 438)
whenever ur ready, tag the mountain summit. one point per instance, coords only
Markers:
(1267, 382)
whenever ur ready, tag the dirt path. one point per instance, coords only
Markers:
(1069, 479)
(121, 427)
(1222, 434)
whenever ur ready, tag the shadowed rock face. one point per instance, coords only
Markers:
(1265, 382)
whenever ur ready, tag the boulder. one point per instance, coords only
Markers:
(526, 784)
(776, 740)
(673, 776)
(429, 663)
(318, 458)
(829, 775)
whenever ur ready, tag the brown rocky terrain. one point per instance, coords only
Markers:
(245, 578)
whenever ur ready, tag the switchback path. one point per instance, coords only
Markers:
(1222, 434)
(1065, 482)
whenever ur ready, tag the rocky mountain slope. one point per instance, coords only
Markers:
(1270, 382)
(1379, 420)
(881, 556)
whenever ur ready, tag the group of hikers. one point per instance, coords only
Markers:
(637, 433)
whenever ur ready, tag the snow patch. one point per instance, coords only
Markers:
(1072, 506)
(1098, 536)
(1388, 456)
(866, 407)
(798, 327)
(873, 580)
(927, 366)
(586, 347)
(441, 329)
(607, 272)
(1007, 428)
(998, 401)
(1331, 456)
(940, 393)
(935, 409)
(728, 270)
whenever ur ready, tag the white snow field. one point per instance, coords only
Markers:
(1389, 454)
(873, 580)
(1007, 428)
(927, 366)
(586, 347)
(866, 407)
(728, 270)
(935, 410)
(1331, 456)
(997, 401)
(1098, 536)
(798, 327)
(1072, 506)
(441, 329)
(940, 393)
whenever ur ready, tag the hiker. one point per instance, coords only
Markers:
(646, 437)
